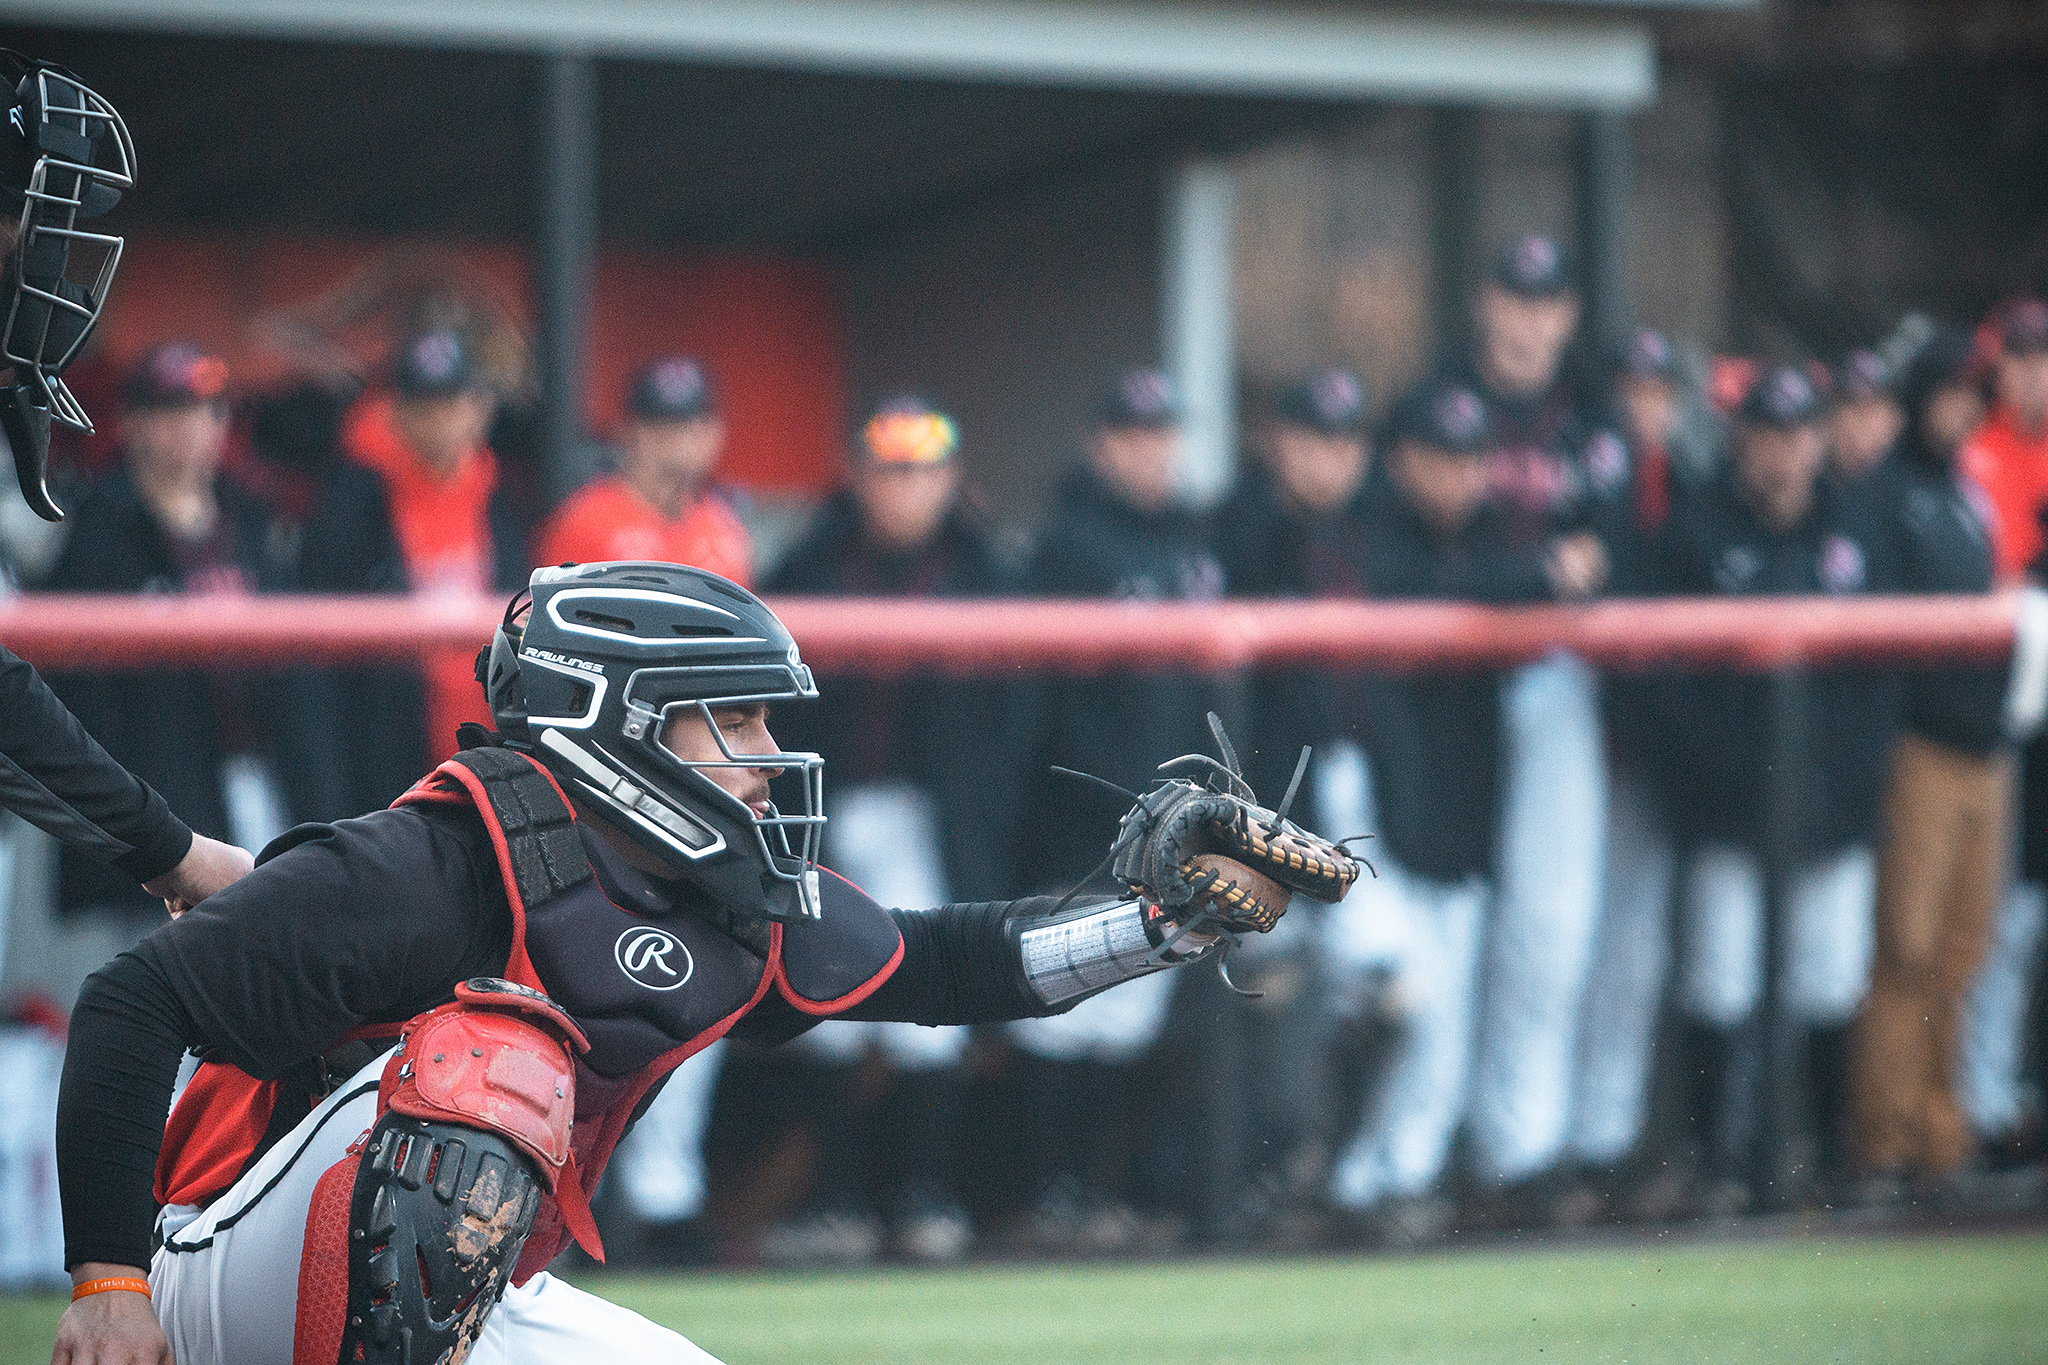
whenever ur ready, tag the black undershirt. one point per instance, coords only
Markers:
(375, 920)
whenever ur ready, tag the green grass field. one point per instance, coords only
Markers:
(1822, 1300)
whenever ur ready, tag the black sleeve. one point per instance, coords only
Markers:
(127, 1035)
(961, 965)
(57, 777)
(370, 920)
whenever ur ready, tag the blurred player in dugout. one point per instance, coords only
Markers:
(2007, 458)
(1772, 525)
(417, 507)
(1435, 745)
(1556, 472)
(922, 807)
(167, 520)
(660, 504)
(1121, 529)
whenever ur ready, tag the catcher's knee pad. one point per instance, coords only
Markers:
(473, 1131)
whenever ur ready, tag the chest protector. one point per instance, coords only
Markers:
(648, 990)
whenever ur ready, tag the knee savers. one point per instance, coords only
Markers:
(473, 1128)
(499, 1058)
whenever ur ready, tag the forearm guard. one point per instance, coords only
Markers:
(1088, 948)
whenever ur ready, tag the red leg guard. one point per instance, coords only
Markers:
(323, 1267)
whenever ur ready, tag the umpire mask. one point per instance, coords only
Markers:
(65, 157)
(595, 661)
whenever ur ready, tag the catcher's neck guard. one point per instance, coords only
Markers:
(65, 156)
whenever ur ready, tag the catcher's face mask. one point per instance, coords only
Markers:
(65, 157)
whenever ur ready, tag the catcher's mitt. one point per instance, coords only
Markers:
(1162, 837)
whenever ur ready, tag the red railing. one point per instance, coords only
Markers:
(890, 635)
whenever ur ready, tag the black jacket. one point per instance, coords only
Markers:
(360, 734)
(1944, 546)
(1435, 738)
(1558, 467)
(57, 777)
(169, 726)
(1118, 726)
(1271, 550)
(1721, 721)
(947, 736)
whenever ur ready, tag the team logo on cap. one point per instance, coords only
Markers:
(677, 382)
(653, 957)
(1841, 564)
(1458, 414)
(436, 357)
(187, 369)
(1535, 258)
(1148, 391)
(1338, 396)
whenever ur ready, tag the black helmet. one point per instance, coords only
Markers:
(65, 157)
(588, 667)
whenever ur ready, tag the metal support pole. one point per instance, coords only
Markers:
(1225, 1104)
(1777, 1098)
(1454, 220)
(1200, 320)
(565, 259)
(1603, 176)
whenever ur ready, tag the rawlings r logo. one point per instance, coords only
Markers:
(653, 958)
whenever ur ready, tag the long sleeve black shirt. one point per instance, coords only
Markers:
(57, 777)
(368, 921)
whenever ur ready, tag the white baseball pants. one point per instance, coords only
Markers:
(226, 1283)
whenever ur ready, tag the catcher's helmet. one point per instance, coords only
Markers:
(594, 659)
(65, 156)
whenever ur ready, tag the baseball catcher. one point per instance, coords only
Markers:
(426, 1030)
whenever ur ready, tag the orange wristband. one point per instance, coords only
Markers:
(134, 1284)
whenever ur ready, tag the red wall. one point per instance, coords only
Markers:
(767, 326)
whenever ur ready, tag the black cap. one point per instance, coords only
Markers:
(2025, 328)
(1647, 355)
(1535, 267)
(1862, 374)
(1444, 417)
(1142, 398)
(673, 388)
(1330, 401)
(175, 374)
(432, 365)
(1782, 398)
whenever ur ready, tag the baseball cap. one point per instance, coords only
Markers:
(1648, 355)
(1140, 398)
(432, 364)
(1862, 374)
(174, 374)
(2025, 329)
(1535, 267)
(906, 430)
(1330, 401)
(1782, 398)
(1444, 417)
(671, 388)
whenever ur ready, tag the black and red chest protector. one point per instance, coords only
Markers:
(650, 984)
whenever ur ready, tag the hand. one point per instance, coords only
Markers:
(1576, 565)
(114, 1328)
(206, 867)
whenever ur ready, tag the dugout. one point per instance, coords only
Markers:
(997, 202)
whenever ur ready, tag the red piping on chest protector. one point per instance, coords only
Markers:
(852, 997)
